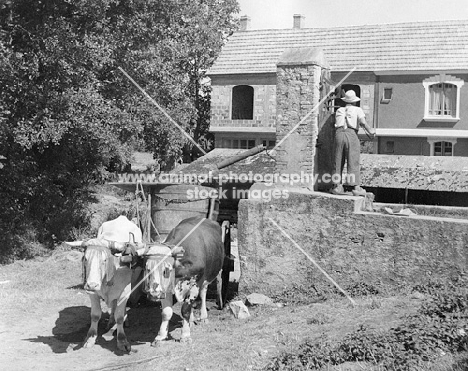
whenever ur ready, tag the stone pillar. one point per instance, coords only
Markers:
(299, 72)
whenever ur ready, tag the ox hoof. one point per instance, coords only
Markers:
(124, 346)
(89, 342)
(186, 340)
(156, 343)
(109, 335)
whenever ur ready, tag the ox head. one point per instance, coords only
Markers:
(159, 272)
(98, 267)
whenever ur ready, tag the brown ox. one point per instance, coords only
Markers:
(106, 278)
(200, 264)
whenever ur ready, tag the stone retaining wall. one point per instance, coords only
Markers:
(387, 252)
(415, 172)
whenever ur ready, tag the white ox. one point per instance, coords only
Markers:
(106, 278)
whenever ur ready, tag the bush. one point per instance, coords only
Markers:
(440, 326)
(22, 244)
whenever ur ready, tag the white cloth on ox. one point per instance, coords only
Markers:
(120, 230)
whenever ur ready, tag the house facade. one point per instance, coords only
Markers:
(410, 78)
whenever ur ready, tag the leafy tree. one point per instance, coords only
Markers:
(68, 115)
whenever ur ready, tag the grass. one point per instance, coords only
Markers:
(43, 302)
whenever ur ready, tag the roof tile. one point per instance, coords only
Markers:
(399, 47)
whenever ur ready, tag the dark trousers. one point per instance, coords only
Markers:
(347, 148)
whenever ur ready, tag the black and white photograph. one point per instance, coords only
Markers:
(234, 185)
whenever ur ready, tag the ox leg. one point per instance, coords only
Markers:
(122, 342)
(203, 312)
(111, 325)
(96, 312)
(166, 314)
(187, 317)
(219, 290)
(111, 322)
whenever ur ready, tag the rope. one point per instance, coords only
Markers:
(139, 190)
(152, 223)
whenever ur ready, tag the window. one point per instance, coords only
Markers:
(340, 93)
(268, 143)
(242, 102)
(247, 144)
(439, 147)
(390, 146)
(238, 143)
(443, 149)
(387, 95)
(442, 98)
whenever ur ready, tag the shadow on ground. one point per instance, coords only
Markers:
(70, 329)
(144, 321)
(72, 326)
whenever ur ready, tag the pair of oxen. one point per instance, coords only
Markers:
(190, 258)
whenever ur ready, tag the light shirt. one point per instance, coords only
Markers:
(349, 117)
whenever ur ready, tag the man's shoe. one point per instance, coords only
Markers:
(338, 190)
(358, 191)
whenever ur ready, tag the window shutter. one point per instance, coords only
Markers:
(367, 102)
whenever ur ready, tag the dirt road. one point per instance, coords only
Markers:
(45, 317)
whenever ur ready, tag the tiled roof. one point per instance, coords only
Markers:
(438, 45)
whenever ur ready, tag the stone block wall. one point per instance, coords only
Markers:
(299, 74)
(220, 103)
(264, 114)
(387, 252)
(297, 94)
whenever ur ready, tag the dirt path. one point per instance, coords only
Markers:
(46, 316)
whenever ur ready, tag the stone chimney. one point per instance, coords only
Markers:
(298, 74)
(299, 21)
(244, 23)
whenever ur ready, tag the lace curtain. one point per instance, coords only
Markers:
(442, 100)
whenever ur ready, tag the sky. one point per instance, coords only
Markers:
(266, 14)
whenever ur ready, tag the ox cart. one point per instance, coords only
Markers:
(168, 203)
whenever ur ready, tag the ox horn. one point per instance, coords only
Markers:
(76, 243)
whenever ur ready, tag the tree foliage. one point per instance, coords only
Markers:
(68, 115)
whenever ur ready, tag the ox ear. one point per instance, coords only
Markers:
(76, 244)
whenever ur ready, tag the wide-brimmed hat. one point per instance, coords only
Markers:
(350, 97)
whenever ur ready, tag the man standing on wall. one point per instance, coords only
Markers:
(347, 144)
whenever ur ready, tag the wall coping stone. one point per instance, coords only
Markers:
(303, 56)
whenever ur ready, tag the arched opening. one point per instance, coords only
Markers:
(340, 93)
(242, 102)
